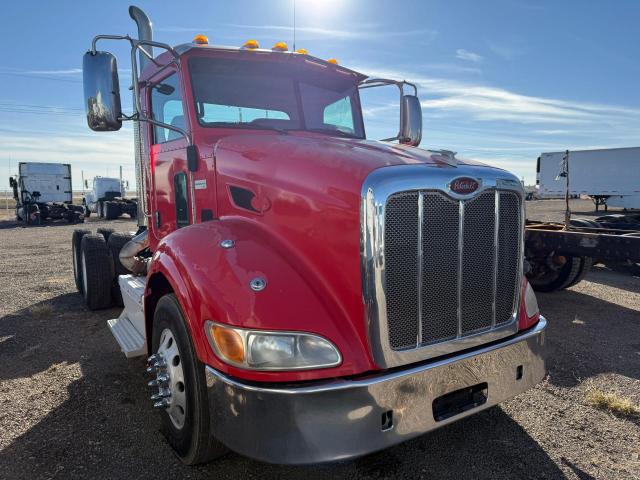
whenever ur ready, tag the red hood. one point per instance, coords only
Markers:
(301, 194)
(350, 154)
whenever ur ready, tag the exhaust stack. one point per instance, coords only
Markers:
(145, 32)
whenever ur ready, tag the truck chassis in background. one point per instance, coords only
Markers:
(559, 257)
(42, 192)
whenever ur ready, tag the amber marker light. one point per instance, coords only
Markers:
(302, 51)
(280, 47)
(229, 344)
(332, 60)
(201, 40)
(251, 44)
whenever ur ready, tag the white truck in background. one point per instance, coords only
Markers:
(107, 199)
(42, 191)
(611, 177)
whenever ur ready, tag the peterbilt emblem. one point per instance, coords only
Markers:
(464, 185)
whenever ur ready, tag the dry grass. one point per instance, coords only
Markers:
(613, 402)
(41, 311)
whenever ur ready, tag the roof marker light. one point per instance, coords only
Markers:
(280, 47)
(201, 40)
(302, 51)
(333, 60)
(250, 45)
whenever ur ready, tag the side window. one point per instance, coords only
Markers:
(166, 107)
(182, 206)
(339, 114)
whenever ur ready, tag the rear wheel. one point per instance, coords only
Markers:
(105, 232)
(116, 241)
(182, 394)
(111, 210)
(100, 209)
(97, 272)
(554, 273)
(585, 267)
(76, 253)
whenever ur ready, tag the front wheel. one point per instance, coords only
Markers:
(181, 393)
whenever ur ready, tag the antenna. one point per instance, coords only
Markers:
(294, 25)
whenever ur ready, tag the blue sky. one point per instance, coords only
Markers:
(500, 81)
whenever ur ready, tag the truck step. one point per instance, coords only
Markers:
(131, 342)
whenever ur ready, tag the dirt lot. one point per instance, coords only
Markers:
(71, 405)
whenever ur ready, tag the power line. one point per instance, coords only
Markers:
(30, 75)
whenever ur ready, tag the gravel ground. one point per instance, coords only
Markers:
(72, 406)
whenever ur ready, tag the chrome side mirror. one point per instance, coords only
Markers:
(101, 91)
(410, 121)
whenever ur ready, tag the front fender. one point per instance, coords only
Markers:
(212, 283)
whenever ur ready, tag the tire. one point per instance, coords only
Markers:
(76, 254)
(87, 212)
(105, 232)
(111, 210)
(559, 279)
(100, 209)
(97, 272)
(192, 441)
(116, 242)
(581, 222)
(585, 267)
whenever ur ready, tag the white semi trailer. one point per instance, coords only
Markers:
(611, 177)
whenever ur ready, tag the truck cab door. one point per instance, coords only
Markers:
(169, 193)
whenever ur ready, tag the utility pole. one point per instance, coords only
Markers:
(567, 212)
(82, 180)
(121, 185)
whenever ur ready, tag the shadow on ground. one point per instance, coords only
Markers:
(588, 336)
(105, 428)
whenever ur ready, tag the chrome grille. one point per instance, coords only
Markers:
(451, 266)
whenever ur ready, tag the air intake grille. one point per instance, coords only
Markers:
(451, 267)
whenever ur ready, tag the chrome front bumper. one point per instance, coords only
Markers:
(339, 419)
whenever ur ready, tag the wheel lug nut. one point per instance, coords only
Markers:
(164, 403)
(160, 380)
(160, 395)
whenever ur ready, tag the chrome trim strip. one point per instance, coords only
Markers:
(496, 230)
(460, 255)
(377, 188)
(420, 265)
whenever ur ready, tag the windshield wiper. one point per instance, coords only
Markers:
(248, 126)
(329, 131)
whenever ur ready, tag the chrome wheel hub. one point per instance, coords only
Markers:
(166, 365)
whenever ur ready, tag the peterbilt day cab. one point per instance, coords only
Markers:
(304, 294)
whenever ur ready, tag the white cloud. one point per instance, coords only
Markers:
(463, 54)
(370, 32)
(66, 71)
(507, 52)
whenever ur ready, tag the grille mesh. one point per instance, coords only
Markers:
(508, 248)
(430, 302)
(401, 240)
(478, 262)
(440, 268)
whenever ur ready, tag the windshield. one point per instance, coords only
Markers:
(283, 95)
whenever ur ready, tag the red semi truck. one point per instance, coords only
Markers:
(303, 294)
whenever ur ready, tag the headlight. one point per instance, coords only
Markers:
(262, 350)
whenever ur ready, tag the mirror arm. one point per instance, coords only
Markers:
(381, 82)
